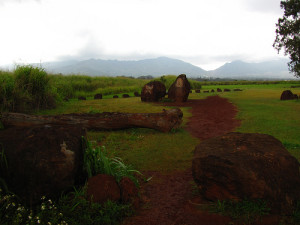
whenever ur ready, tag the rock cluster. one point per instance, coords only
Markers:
(288, 95)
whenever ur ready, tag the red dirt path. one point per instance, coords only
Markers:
(168, 198)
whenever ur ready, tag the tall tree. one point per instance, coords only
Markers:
(288, 34)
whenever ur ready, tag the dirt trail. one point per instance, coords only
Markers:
(168, 199)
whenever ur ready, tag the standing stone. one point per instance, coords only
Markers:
(98, 96)
(219, 90)
(287, 95)
(236, 166)
(115, 96)
(125, 96)
(227, 90)
(180, 89)
(153, 91)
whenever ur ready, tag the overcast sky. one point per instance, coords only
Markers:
(206, 33)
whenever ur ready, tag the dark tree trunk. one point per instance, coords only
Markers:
(165, 121)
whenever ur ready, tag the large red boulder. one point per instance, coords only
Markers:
(153, 91)
(287, 95)
(253, 166)
(102, 188)
(180, 89)
(42, 161)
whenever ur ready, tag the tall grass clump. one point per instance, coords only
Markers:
(32, 89)
(26, 89)
(97, 161)
(7, 83)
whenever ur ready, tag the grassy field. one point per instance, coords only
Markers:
(260, 110)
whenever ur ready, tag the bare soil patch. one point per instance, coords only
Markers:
(169, 199)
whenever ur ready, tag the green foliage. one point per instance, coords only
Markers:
(26, 89)
(97, 161)
(245, 211)
(71, 208)
(287, 34)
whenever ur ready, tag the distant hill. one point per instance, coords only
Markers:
(98, 67)
(163, 66)
(243, 70)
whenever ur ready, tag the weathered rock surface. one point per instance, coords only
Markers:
(253, 166)
(125, 96)
(212, 90)
(226, 90)
(179, 91)
(98, 96)
(219, 90)
(287, 95)
(115, 96)
(153, 91)
(43, 160)
(129, 192)
(103, 187)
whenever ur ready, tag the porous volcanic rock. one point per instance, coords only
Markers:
(179, 91)
(153, 91)
(43, 160)
(125, 96)
(98, 96)
(219, 90)
(115, 96)
(253, 166)
(103, 187)
(197, 91)
(81, 98)
(287, 95)
(129, 191)
(212, 90)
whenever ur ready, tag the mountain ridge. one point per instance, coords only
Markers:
(165, 66)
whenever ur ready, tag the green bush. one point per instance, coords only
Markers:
(7, 83)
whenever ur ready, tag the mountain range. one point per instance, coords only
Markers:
(165, 66)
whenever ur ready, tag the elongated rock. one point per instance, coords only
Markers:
(165, 121)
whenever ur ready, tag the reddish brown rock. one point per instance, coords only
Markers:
(98, 96)
(39, 161)
(115, 96)
(287, 95)
(129, 191)
(253, 166)
(212, 90)
(153, 91)
(180, 89)
(226, 90)
(219, 90)
(197, 91)
(125, 96)
(81, 98)
(102, 188)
